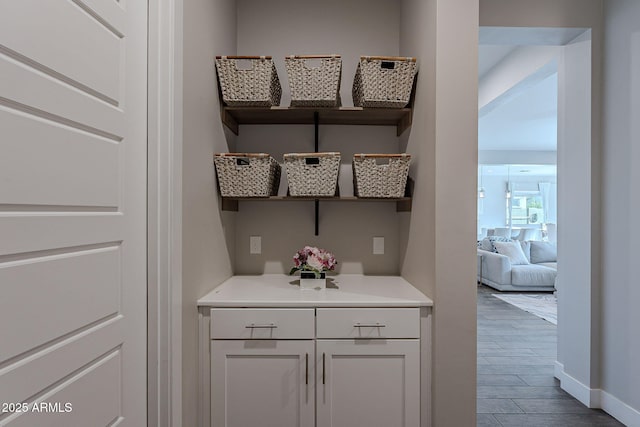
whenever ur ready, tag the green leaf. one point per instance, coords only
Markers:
(293, 270)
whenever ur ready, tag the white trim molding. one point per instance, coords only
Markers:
(165, 214)
(619, 410)
(597, 398)
(589, 397)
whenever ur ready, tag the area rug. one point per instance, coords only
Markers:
(544, 306)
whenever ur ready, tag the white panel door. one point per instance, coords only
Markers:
(373, 383)
(266, 383)
(73, 146)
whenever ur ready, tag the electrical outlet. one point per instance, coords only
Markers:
(378, 245)
(255, 245)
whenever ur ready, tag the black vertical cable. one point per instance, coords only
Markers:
(317, 203)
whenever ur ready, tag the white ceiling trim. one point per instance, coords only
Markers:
(533, 36)
(522, 69)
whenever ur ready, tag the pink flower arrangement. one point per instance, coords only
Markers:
(313, 259)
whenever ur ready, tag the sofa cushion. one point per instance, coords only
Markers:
(553, 265)
(513, 250)
(543, 252)
(487, 243)
(527, 275)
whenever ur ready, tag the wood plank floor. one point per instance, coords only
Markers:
(516, 387)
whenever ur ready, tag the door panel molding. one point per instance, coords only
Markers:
(73, 218)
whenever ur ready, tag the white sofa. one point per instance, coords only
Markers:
(500, 272)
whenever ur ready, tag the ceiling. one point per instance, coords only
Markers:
(527, 121)
(522, 116)
(490, 54)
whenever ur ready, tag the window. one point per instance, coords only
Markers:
(525, 207)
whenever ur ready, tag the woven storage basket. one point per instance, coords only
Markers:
(380, 175)
(258, 86)
(312, 174)
(314, 86)
(247, 174)
(383, 81)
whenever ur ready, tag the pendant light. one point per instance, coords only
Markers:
(507, 194)
(481, 190)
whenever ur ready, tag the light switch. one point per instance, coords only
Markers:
(255, 245)
(378, 245)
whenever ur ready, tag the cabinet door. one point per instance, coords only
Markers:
(267, 383)
(373, 383)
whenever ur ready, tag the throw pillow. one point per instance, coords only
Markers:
(543, 252)
(513, 250)
(526, 248)
(487, 243)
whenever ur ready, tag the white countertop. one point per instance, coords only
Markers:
(343, 290)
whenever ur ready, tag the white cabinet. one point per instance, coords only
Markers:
(367, 375)
(357, 354)
(262, 367)
(267, 383)
(324, 367)
(373, 383)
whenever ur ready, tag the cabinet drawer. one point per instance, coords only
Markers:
(262, 323)
(368, 323)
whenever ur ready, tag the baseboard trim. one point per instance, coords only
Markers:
(619, 410)
(597, 398)
(558, 370)
(587, 396)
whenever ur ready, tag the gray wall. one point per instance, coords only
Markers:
(351, 29)
(207, 256)
(621, 203)
(439, 256)
(216, 247)
(578, 233)
(420, 245)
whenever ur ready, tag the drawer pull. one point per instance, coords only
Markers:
(306, 368)
(323, 368)
(369, 325)
(254, 326)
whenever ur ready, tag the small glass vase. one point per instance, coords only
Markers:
(308, 280)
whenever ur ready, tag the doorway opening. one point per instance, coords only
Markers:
(530, 121)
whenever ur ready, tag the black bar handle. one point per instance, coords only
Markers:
(322, 368)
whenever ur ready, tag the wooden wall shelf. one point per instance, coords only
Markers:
(232, 117)
(403, 204)
(401, 118)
